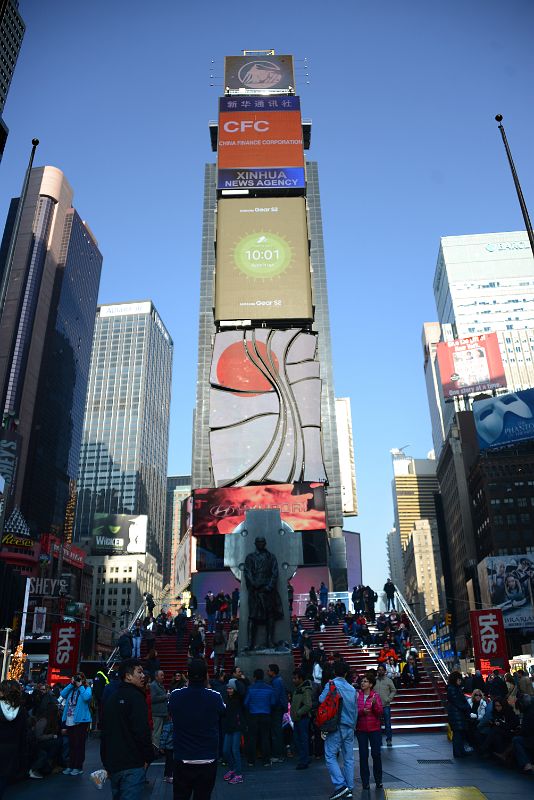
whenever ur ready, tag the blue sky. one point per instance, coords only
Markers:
(402, 95)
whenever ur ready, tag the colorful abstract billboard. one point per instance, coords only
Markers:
(266, 391)
(506, 419)
(470, 366)
(262, 267)
(489, 640)
(259, 75)
(301, 505)
(117, 534)
(260, 144)
(507, 583)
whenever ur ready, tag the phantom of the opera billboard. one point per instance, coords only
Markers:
(301, 506)
(260, 143)
(262, 261)
(266, 74)
(470, 366)
(265, 383)
(507, 583)
(505, 419)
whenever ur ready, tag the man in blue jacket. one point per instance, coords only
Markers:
(279, 709)
(259, 702)
(342, 740)
(196, 712)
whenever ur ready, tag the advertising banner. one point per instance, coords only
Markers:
(301, 505)
(259, 75)
(262, 266)
(506, 419)
(470, 366)
(64, 651)
(51, 587)
(260, 144)
(116, 534)
(507, 583)
(39, 620)
(489, 640)
(72, 555)
(9, 456)
(182, 565)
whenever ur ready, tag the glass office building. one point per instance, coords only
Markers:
(123, 458)
(201, 466)
(11, 34)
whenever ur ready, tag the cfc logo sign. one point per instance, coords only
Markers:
(235, 126)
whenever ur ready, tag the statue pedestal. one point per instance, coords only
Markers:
(261, 660)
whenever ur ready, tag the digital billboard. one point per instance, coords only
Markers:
(267, 382)
(468, 366)
(301, 505)
(489, 640)
(506, 419)
(255, 74)
(117, 534)
(260, 144)
(507, 583)
(262, 264)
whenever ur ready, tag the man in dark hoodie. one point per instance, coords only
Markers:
(126, 746)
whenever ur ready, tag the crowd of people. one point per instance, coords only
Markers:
(493, 717)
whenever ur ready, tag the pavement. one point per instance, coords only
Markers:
(415, 762)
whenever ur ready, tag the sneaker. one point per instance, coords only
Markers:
(67, 771)
(389, 743)
(229, 775)
(266, 763)
(236, 779)
(34, 774)
(277, 760)
(379, 785)
(343, 792)
(76, 771)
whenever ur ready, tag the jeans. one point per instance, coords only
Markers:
(390, 605)
(301, 735)
(232, 755)
(136, 647)
(458, 743)
(259, 724)
(373, 738)
(193, 779)
(77, 735)
(128, 784)
(277, 734)
(340, 741)
(157, 729)
(211, 623)
(387, 722)
(521, 752)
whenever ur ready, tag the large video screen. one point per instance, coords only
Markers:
(259, 74)
(301, 505)
(262, 264)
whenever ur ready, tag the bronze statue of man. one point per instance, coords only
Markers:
(264, 603)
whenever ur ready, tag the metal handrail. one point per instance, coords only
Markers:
(439, 664)
(138, 614)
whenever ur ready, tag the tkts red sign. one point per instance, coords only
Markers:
(489, 640)
(64, 650)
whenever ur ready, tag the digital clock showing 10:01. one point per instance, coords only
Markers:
(262, 255)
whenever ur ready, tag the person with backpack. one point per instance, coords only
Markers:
(301, 706)
(338, 700)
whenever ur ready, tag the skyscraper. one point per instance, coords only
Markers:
(178, 490)
(45, 346)
(123, 458)
(414, 487)
(11, 34)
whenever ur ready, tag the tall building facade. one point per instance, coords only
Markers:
(395, 559)
(12, 30)
(424, 586)
(123, 458)
(414, 488)
(347, 466)
(178, 490)
(45, 346)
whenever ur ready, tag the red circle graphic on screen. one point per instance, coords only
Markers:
(236, 371)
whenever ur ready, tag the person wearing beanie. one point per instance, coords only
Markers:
(196, 712)
(233, 725)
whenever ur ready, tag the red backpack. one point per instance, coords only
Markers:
(329, 711)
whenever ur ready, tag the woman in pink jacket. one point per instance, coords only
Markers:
(368, 730)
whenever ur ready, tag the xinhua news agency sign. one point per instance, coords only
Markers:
(489, 640)
(64, 650)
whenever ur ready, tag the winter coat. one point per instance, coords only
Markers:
(125, 645)
(82, 712)
(458, 708)
(219, 643)
(126, 742)
(369, 722)
(301, 703)
(481, 710)
(349, 710)
(386, 689)
(159, 697)
(232, 639)
(13, 739)
(233, 719)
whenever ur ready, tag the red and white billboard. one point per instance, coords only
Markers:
(64, 651)
(301, 505)
(470, 366)
(489, 640)
(72, 555)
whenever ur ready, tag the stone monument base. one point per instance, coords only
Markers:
(261, 660)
